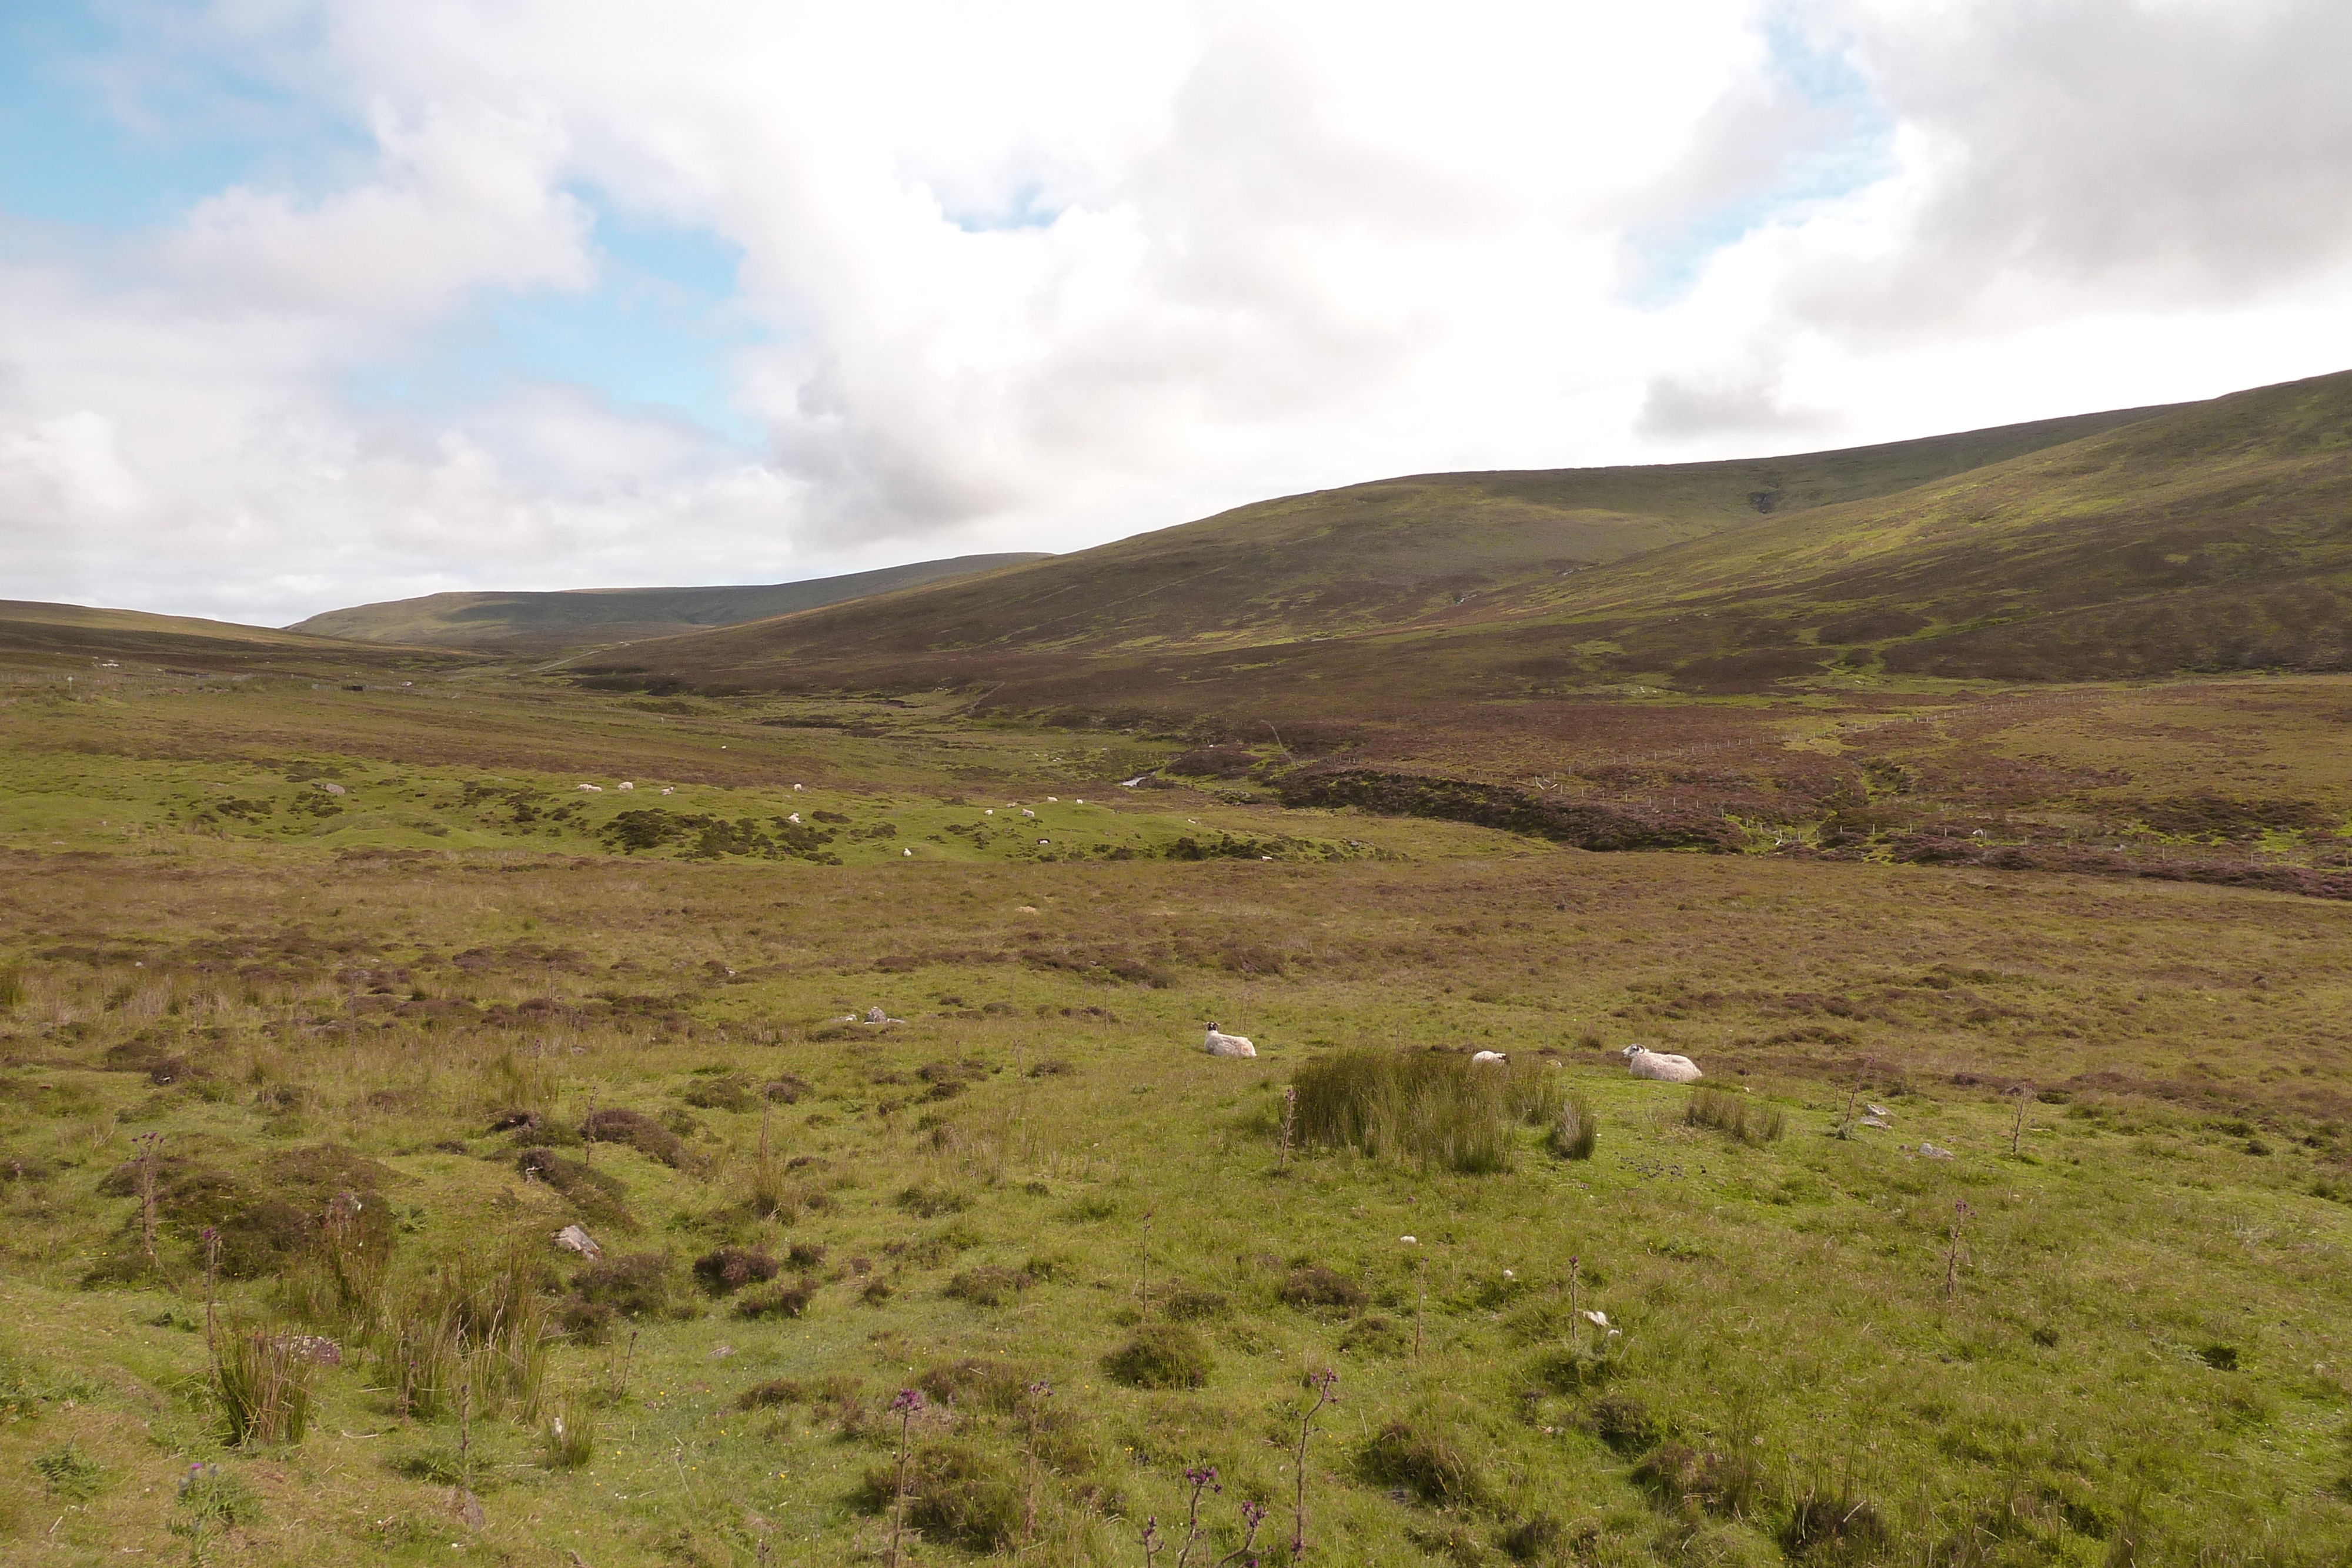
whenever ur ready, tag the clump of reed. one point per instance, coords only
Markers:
(568, 1440)
(1435, 1108)
(1575, 1129)
(263, 1385)
(1735, 1115)
(482, 1323)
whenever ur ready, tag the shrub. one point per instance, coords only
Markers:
(789, 1300)
(721, 1092)
(988, 1286)
(927, 1200)
(1729, 1483)
(973, 1384)
(1622, 1422)
(70, 1473)
(1160, 1356)
(1313, 1285)
(1829, 1522)
(1185, 1304)
(264, 1386)
(634, 1283)
(732, 1268)
(595, 1194)
(1571, 1370)
(955, 1493)
(1424, 1461)
(1433, 1107)
(1736, 1114)
(787, 1089)
(1575, 1130)
(639, 1132)
(805, 1255)
(569, 1438)
(268, 1216)
(1531, 1537)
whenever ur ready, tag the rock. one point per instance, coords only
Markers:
(573, 1239)
(1930, 1152)
(466, 1507)
(315, 1348)
(1873, 1122)
(331, 789)
(1878, 1110)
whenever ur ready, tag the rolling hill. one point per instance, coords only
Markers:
(42, 634)
(2207, 535)
(549, 621)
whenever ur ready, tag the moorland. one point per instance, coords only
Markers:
(2008, 1226)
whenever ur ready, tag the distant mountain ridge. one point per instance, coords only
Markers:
(546, 622)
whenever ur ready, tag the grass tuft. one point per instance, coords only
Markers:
(1735, 1115)
(264, 1386)
(1161, 1356)
(1435, 1108)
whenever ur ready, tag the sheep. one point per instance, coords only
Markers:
(1489, 1057)
(1220, 1044)
(593, 789)
(625, 784)
(1647, 1063)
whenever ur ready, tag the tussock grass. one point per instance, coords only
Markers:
(263, 1386)
(1429, 1107)
(1735, 1115)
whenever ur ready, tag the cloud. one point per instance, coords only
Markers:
(1032, 275)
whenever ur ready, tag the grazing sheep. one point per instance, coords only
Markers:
(1647, 1063)
(1492, 1057)
(624, 785)
(593, 789)
(1218, 1044)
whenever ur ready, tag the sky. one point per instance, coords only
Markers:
(309, 303)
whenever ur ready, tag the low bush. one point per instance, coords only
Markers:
(972, 1383)
(1160, 1356)
(1185, 1304)
(1622, 1422)
(1730, 1482)
(1736, 1114)
(595, 1196)
(1828, 1523)
(639, 1132)
(785, 1300)
(721, 1092)
(634, 1283)
(1313, 1285)
(1423, 1459)
(956, 1494)
(927, 1200)
(730, 1269)
(988, 1286)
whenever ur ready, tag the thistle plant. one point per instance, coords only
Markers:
(1961, 1216)
(906, 1405)
(1322, 1383)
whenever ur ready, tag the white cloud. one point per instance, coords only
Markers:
(1033, 276)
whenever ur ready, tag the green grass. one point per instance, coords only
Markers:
(2145, 1297)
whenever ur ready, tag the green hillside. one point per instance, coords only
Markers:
(1360, 558)
(2203, 537)
(36, 634)
(543, 623)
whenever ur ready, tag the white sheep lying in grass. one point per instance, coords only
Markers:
(1647, 1063)
(1218, 1044)
(1494, 1058)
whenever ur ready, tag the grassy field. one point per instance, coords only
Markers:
(487, 1003)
